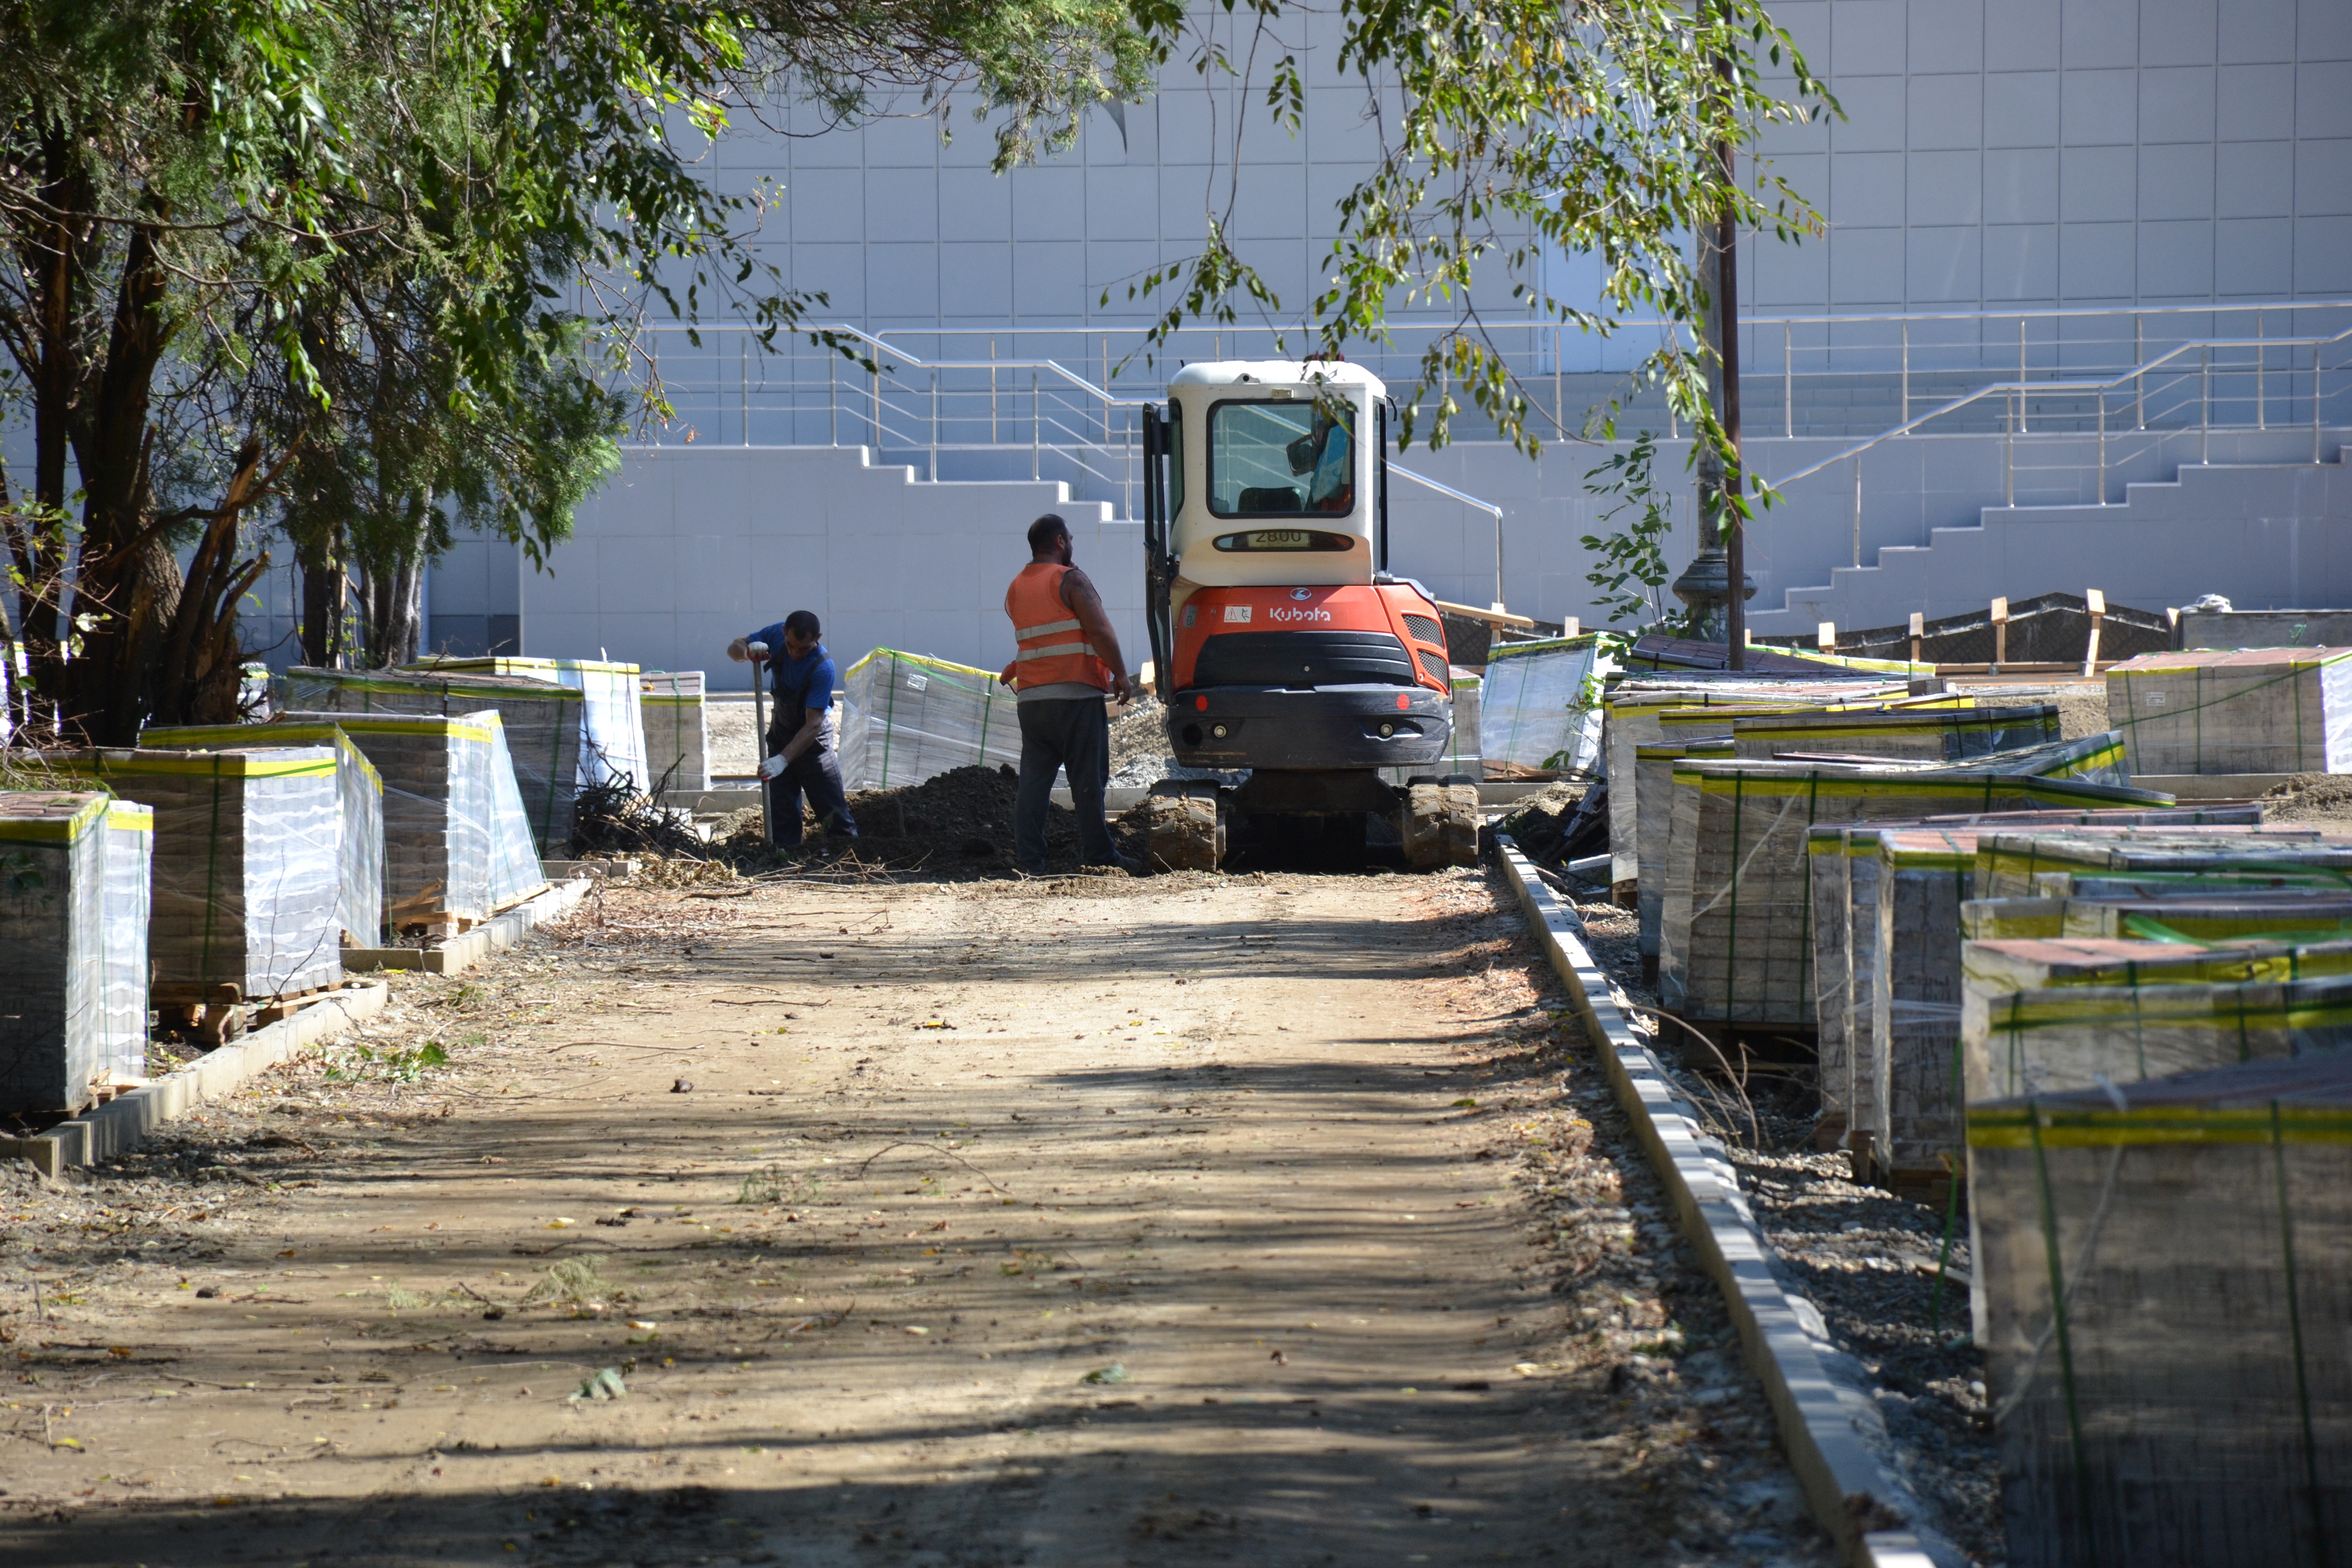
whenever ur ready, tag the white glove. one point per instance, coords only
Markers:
(773, 767)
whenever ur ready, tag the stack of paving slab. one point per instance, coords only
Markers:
(541, 722)
(2235, 711)
(677, 745)
(612, 710)
(1734, 932)
(1889, 903)
(360, 895)
(905, 718)
(1651, 723)
(74, 880)
(1539, 715)
(248, 879)
(2163, 1273)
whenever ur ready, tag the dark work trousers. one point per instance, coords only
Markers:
(1072, 733)
(817, 772)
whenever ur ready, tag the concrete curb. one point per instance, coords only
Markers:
(121, 1125)
(460, 953)
(1843, 1480)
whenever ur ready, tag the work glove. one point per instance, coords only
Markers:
(773, 767)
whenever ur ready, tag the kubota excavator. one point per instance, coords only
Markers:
(1281, 643)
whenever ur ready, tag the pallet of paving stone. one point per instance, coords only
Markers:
(677, 741)
(53, 958)
(612, 709)
(2192, 921)
(1539, 715)
(360, 896)
(1631, 711)
(129, 904)
(2052, 861)
(1924, 734)
(905, 718)
(439, 798)
(1924, 876)
(1654, 770)
(1844, 864)
(247, 884)
(2164, 1276)
(2235, 711)
(542, 721)
(1734, 935)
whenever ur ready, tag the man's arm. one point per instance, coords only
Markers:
(811, 720)
(1079, 595)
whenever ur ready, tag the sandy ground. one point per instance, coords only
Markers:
(1265, 1220)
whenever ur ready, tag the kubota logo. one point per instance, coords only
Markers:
(1284, 613)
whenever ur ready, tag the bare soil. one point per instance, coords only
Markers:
(2323, 799)
(1262, 1219)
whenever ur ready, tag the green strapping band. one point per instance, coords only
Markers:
(889, 717)
(2294, 1331)
(212, 867)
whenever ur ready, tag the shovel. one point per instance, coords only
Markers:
(758, 652)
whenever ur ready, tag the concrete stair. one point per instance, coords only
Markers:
(2265, 535)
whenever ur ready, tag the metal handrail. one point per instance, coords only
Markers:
(2044, 388)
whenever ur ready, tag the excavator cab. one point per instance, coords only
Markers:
(1283, 646)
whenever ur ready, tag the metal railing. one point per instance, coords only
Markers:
(2287, 384)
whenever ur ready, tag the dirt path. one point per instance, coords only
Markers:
(1263, 1220)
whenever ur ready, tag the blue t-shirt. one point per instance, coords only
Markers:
(799, 684)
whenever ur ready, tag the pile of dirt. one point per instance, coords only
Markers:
(1138, 738)
(2321, 799)
(2082, 711)
(953, 826)
(1551, 826)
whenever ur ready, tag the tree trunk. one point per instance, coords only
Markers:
(326, 601)
(391, 599)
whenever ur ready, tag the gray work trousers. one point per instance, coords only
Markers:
(1072, 733)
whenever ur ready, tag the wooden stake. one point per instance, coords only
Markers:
(1825, 636)
(1919, 631)
(2096, 602)
(2000, 636)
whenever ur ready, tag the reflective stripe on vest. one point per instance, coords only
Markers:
(1041, 624)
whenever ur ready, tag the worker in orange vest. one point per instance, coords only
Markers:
(1069, 657)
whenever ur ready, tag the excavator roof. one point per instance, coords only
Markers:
(1276, 372)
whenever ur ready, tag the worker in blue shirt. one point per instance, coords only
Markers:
(800, 741)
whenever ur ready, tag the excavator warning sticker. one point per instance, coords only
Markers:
(1237, 613)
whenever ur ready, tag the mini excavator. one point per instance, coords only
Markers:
(1282, 644)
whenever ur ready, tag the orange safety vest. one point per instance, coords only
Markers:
(1054, 648)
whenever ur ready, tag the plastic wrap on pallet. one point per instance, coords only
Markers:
(1462, 742)
(1926, 734)
(543, 720)
(247, 864)
(2166, 1272)
(129, 878)
(360, 896)
(1653, 772)
(1832, 893)
(905, 718)
(1924, 877)
(677, 741)
(515, 870)
(54, 1031)
(1735, 938)
(1540, 711)
(439, 804)
(1631, 711)
(611, 717)
(2239, 711)
(2192, 920)
(2053, 861)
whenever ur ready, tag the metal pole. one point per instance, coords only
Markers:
(1906, 374)
(1735, 537)
(2139, 377)
(2261, 360)
(991, 391)
(2204, 398)
(831, 399)
(1559, 376)
(935, 426)
(1857, 509)
(2102, 446)
(1787, 383)
(1498, 558)
(743, 361)
(758, 652)
(2316, 349)
(2020, 375)
(873, 380)
(1036, 424)
(2009, 452)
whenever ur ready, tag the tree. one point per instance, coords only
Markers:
(1510, 128)
(223, 219)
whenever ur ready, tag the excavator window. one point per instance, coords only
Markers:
(1269, 459)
